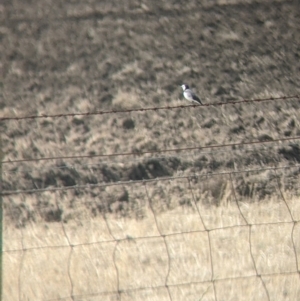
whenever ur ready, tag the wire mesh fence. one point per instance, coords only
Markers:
(210, 213)
(207, 237)
(223, 235)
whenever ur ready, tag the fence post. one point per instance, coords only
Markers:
(1, 219)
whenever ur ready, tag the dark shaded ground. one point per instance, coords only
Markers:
(75, 56)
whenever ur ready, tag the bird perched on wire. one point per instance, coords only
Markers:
(190, 95)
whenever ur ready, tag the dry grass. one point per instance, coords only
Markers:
(167, 242)
(206, 239)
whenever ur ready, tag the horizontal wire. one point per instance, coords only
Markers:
(154, 152)
(131, 182)
(132, 160)
(150, 236)
(101, 163)
(148, 109)
(170, 285)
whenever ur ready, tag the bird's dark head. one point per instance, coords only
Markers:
(184, 87)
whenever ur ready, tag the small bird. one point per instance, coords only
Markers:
(190, 95)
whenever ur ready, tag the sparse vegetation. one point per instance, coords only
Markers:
(86, 57)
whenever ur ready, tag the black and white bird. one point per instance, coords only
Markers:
(190, 95)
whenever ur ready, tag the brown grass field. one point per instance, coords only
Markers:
(215, 224)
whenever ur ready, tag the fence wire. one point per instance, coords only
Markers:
(217, 146)
(246, 229)
(149, 109)
(172, 243)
